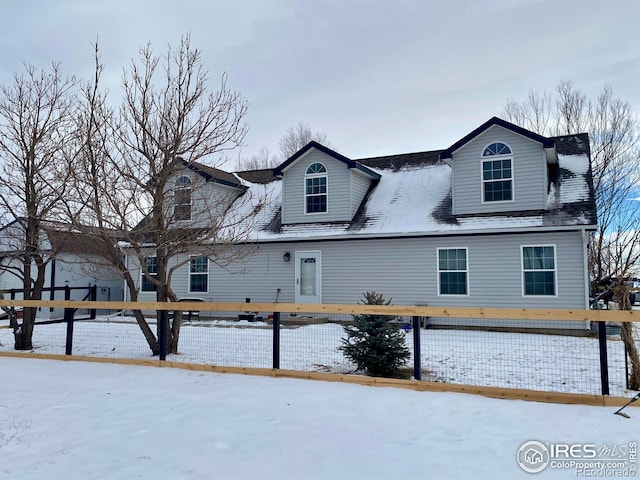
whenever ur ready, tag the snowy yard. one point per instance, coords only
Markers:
(79, 421)
(513, 360)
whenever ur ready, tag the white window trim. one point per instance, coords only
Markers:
(483, 181)
(184, 187)
(555, 270)
(191, 257)
(438, 271)
(324, 174)
(142, 267)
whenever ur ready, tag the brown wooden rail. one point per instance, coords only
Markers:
(491, 392)
(348, 309)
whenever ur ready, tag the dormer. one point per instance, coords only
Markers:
(198, 194)
(500, 167)
(320, 185)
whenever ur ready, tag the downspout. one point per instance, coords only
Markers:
(52, 283)
(587, 277)
(125, 290)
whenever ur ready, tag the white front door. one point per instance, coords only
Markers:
(308, 277)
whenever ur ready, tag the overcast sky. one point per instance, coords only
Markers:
(377, 76)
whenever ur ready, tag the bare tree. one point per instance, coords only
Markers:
(133, 165)
(36, 113)
(612, 125)
(261, 160)
(100, 206)
(290, 142)
(297, 137)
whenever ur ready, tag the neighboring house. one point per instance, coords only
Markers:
(76, 261)
(499, 219)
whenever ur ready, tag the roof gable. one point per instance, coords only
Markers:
(279, 170)
(546, 142)
(214, 175)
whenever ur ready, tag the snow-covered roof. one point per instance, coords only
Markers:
(413, 197)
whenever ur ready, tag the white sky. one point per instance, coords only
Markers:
(378, 77)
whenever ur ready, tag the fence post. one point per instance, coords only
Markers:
(68, 317)
(416, 348)
(276, 340)
(604, 367)
(93, 298)
(162, 333)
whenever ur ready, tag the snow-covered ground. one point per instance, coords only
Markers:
(80, 421)
(513, 360)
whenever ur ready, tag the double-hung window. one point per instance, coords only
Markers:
(539, 270)
(453, 271)
(315, 188)
(151, 267)
(182, 198)
(497, 173)
(198, 275)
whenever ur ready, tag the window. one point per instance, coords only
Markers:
(182, 199)
(151, 266)
(539, 270)
(199, 274)
(316, 188)
(452, 271)
(497, 173)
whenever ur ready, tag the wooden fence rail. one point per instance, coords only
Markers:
(601, 317)
(348, 309)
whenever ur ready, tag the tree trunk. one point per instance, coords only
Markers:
(24, 334)
(174, 332)
(147, 332)
(626, 333)
(142, 322)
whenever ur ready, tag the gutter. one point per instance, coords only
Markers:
(442, 233)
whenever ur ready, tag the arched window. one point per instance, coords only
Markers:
(182, 199)
(497, 173)
(315, 182)
(496, 148)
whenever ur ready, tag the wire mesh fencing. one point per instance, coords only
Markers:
(523, 354)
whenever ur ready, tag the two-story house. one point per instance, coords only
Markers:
(501, 218)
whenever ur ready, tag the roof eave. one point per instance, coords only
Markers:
(547, 143)
(279, 170)
(440, 233)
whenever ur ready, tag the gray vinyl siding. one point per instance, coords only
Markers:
(338, 190)
(359, 187)
(208, 200)
(405, 270)
(529, 174)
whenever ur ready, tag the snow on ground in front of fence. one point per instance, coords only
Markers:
(502, 359)
(77, 420)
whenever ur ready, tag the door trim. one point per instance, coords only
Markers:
(317, 298)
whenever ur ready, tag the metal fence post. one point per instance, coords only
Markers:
(604, 367)
(276, 340)
(93, 297)
(416, 348)
(162, 333)
(68, 317)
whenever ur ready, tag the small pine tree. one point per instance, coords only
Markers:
(374, 343)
